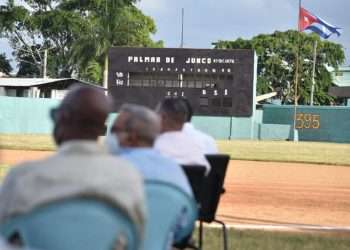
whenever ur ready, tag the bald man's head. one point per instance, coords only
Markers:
(81, 115)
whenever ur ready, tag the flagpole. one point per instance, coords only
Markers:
(313, 75)
(306, 21)
(182, 27)
(295, 137)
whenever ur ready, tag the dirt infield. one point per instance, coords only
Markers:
(286, 193)
(11, 157)
(270, 192)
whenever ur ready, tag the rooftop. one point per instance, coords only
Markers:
(32, 82)
(27, 82)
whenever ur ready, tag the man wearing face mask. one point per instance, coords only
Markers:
(79, 168)
(135, 131)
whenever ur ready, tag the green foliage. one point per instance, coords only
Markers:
(5, 65)
(111, 24)
(93, 71)
(38, 26)
(76, 33)
(27, 66)
(277, 63)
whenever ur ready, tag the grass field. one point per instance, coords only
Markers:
(282, 151)
(3, 170)
(27, 142)
(264, 240)
(287, 151)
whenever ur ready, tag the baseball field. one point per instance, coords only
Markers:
(270, 185)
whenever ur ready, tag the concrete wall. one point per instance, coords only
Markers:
(219, 127)
(31, 116)
(314, 123)
(25, 115)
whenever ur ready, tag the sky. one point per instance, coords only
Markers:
(207, 21)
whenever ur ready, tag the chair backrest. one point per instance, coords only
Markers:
(169, 209)
(213, 186)
(79, 224)
(195, 175)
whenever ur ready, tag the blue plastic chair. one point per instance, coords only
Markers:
(76, 224)
(168, 209)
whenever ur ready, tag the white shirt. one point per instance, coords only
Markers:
(182, 148)
(78, 169)
(207, 142)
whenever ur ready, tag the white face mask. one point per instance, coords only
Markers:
(112, 143)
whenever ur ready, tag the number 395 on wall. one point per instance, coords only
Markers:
(308, 121)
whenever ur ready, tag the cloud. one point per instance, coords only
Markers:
(207, 21)
(151, 5)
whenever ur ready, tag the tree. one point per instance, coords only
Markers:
(111, 23)
(5, 66)
(76, 34)
(39, 26)
(277, 60)
(27, 66)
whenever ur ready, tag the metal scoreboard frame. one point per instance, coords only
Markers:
(216, 82)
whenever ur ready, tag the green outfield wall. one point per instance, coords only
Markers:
(219, 127)
(314, 123)
(273, 122)
(19, 115)
(31, 116)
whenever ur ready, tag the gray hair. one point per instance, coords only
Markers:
(142, 121)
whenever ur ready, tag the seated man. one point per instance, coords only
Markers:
(206, 141)
(80, 167)
(173, 142)
(136, 129)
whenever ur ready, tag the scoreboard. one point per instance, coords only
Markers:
(216, 82)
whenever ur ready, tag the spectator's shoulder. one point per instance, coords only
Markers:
(168, 160)
(23, 169)
(17, 174)
(120, 165)
(169, 135)
(117, 160)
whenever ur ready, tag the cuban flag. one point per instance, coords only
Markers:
(308, 21)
